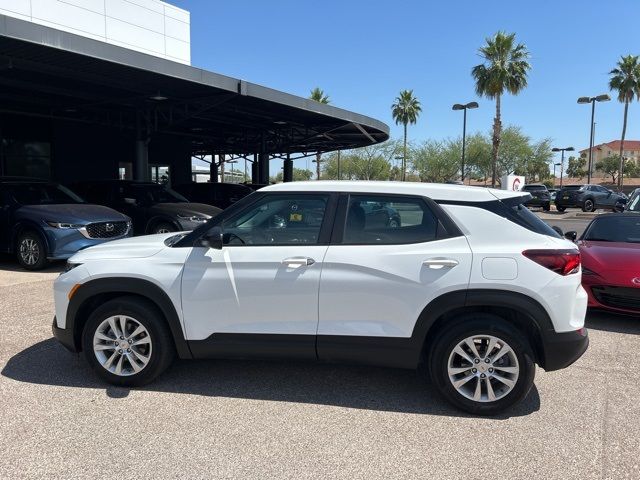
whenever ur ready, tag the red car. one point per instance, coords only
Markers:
(610, 250)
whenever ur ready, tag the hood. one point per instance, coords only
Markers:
(136, 247)
(186, 209)
(81, 213)
(613, 256)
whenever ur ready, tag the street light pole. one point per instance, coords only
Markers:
(465, 107)
(556, 149)
(592, 101)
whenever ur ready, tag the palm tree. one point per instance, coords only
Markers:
(625, 79)
(505, 68)
(319, 96)
(405, 110)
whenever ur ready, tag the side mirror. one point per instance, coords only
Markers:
(558, 230)
(212, 239)
(572, 235)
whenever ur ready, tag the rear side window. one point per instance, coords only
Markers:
(388, 220)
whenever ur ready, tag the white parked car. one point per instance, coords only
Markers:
(469, 283)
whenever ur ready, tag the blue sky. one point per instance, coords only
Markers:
(362, 53)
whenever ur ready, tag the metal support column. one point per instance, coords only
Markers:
(213, 170)
(141, 160)
(287, 170)
(263, 168)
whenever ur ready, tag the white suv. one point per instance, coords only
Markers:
(461, 279)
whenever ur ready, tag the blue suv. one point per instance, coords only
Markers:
(42, 221)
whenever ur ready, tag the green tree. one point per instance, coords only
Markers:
(318, 95)
(405, 110)
(625, 80)
(609, 166)
(515, 153)
(372, 162)
(478, 156)
(631, 170)
(576, 167)
(504, 69)
(436, 161)
(537, 168)
(299, 175)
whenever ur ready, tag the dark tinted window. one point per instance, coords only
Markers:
(531, 188)
(634, 201)
(41, 194)
(149, 193)
(614, 228)
(380, 220)
(278, 220)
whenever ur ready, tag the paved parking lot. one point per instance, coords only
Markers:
(233, 419)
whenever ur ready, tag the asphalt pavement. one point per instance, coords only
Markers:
(252, 419)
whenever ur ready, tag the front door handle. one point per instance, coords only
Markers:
(438, 263)
(298, 262)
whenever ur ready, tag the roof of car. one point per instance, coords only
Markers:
(436, 191)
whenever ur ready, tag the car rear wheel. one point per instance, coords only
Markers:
(482, 365)
(546, 207)
(31, 251)
(127, 343)
(588, 206)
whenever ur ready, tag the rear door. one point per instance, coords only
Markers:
(377, 279)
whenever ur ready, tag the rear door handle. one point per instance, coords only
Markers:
(438, 263)
(298, 262)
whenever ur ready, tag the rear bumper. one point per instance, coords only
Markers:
(64, 336)
(563, 349)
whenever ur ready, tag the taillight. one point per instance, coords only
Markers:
(563, 262)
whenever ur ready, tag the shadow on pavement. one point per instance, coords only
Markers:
(404, 391)
(8, 263)
(612, 322)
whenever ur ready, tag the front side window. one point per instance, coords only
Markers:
(278, 220)
(388, 220)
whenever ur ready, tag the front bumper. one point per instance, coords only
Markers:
(64, 243)
(563, 349)
(64, 336)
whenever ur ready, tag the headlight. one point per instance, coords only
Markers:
(64, 225)
(193, 218)
(70, 266)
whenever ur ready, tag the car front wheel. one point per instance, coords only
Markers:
(164, 227)
(560, 209)
(589, 206)
(127, 343)
(482, 365)
(31, 251)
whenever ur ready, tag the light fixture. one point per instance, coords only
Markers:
(158, 97)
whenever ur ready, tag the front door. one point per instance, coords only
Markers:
(259, 294)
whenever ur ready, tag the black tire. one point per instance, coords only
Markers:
(546, 207)
(589, 206)
(162, 351)
(560, 209)
(31, 251)
(163, 227)
(480, 324)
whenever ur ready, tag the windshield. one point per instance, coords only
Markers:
(533, 188)
(147, 193)
(623, 228)
(634, 202)
(526, 218)
(42, 194)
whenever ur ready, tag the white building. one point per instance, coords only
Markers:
(148, 26)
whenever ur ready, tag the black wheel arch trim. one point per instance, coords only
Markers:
(114, 286)
(154, 221)
(27, 225)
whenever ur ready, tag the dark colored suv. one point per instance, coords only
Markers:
(540, 196)
(42, 221)
(589, 198)
(153, 208)
(221, 195)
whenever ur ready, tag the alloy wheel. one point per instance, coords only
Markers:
(29, 251)
(483, 368)
(122, 345)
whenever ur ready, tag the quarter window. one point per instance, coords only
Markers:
(385, 220)
(278, 220)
